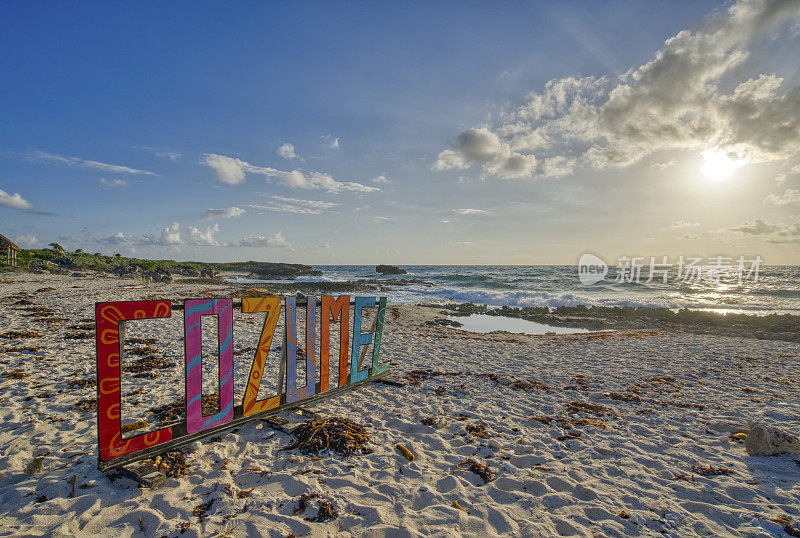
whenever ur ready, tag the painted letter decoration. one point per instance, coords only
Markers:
(353, 368)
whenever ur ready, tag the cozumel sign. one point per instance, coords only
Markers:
(116, 450)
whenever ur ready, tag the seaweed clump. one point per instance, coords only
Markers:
(478, 468)
(341, 435)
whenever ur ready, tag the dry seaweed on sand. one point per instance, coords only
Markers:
(82, 383)
(37, 311)
(326, 511)
(478, 468)
(341, 435)
(625, 397)
(478, 430)
(16, 374)
(22, 349)
(174, 410)
(429, 421)
(86, 405)
(172, 463)
(570, 435)
(711, 471)
(414, 377)
(595, 409)
(140, 340)
(303, 502)
(571, 422)
(78, 335)
(148, 364)
(200, 510)
(12, 335)
(141, 351)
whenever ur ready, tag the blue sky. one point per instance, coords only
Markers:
(423, 132)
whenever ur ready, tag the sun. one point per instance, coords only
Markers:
(717, 165)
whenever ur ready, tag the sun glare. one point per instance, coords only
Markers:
(717, 165)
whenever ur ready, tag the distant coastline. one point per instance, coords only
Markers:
(549, 295)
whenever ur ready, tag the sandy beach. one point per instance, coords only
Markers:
(598, 434)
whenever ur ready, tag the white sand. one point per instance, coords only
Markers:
(544, 486)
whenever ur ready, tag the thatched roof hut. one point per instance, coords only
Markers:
(10, 250)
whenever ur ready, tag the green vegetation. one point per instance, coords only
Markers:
(56, 259)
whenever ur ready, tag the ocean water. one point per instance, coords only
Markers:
(777, 288)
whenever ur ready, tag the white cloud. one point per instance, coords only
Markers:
(171, 155)
(333, 143)
(276, 240)
(232, 171)
(380, 179)
(690, 236)
(284, 204)
(14, 201)
(663, 165)
(75, 161)
(223, 213)
(481, 146)
(756, 227)
(683, 224)
(464, 243)
(111, 183)
(780, 179)
(470, 211)
(773, 233)
(228, 169)
(673, 102)
(171, 235)
(203, 237)
(789, 197)
(378, 220)
(27, 240)
(287, 151)
(317, 204)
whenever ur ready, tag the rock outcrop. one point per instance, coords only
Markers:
(390, 270)
(770, 441)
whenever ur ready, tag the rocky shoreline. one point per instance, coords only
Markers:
(784, 327)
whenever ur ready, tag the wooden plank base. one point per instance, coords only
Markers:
(144, 473)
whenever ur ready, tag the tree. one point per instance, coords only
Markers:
(58, 248)
(24, 258)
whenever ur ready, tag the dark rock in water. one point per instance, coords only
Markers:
(443, 322)
(390, 270)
